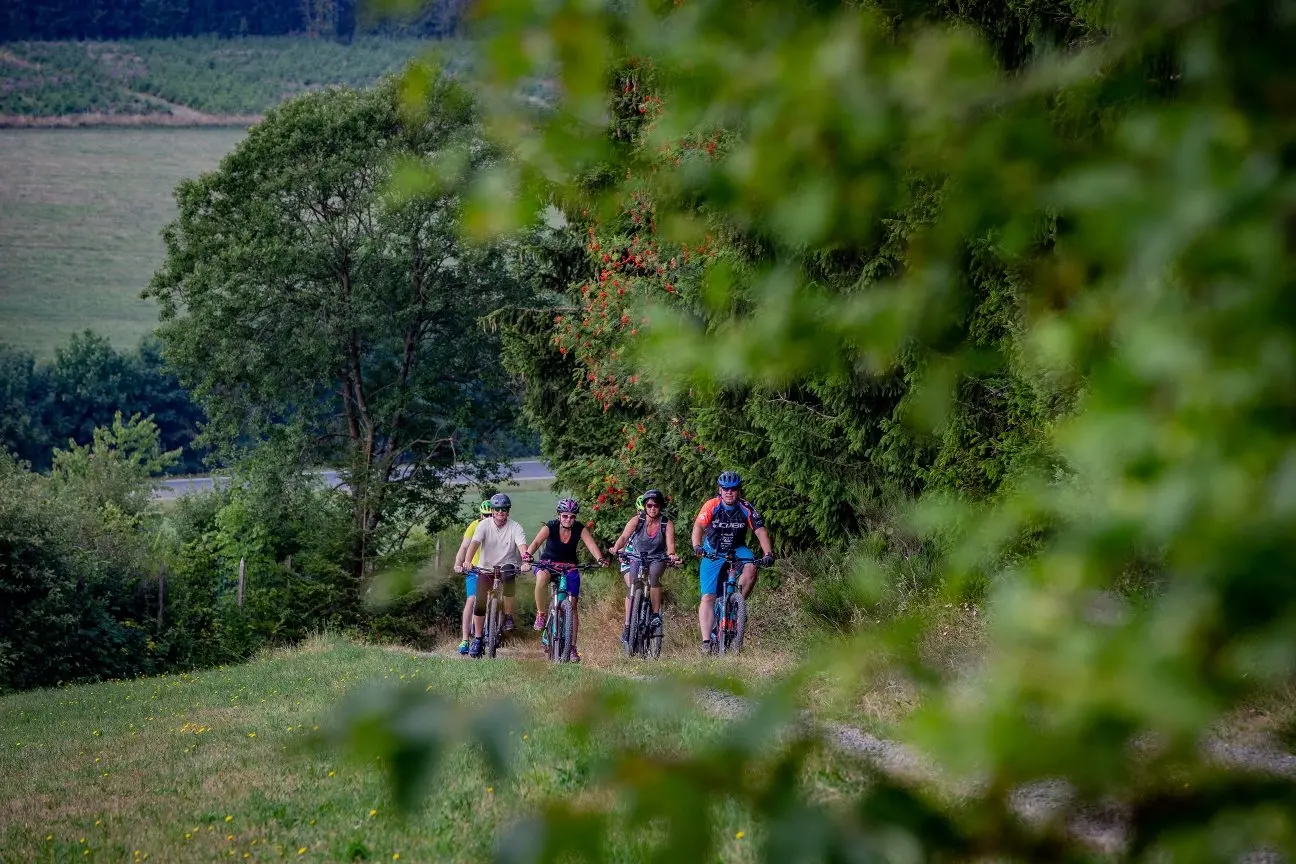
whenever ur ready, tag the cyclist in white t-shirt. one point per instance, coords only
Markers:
(501, 541)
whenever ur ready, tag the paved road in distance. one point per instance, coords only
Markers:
(527, 469)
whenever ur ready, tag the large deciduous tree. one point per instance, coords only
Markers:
(303, 299)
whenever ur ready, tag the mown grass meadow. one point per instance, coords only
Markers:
(221, 764)
(81, 215)
(207, 74)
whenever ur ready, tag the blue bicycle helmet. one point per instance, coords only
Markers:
(569, 505)
(729, 480)
(500, 501)
(653, 495)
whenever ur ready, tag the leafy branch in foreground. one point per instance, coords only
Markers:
(1140, 182)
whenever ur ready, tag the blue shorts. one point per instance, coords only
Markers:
(470, 584)
(709, 568)
(573, 580)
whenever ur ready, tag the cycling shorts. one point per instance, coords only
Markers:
(573, 580)
(709, 568)
(470, 585)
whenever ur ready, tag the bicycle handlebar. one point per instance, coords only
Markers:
(560, 567)
(623, 555)
(498, 570)
(732, 558)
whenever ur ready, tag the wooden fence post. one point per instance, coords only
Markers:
(437, 565)
(242, 573)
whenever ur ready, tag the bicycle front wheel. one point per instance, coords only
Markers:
(494, 620)
(565, 626)
(553, 632)
(738, 616)
(633, 637)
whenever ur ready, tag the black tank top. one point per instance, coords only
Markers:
(555, 549)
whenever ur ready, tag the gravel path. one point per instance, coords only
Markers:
(1103, 829)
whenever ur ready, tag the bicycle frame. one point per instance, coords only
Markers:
(558, 627)
(492, 632)
(729, 622)
(642, 641)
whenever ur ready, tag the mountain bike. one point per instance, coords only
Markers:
(556, 635)
(494, 629)
(644, 640)
(729, 624)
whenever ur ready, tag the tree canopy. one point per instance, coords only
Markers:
(303, 302)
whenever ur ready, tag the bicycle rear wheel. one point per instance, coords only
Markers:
(655, 635)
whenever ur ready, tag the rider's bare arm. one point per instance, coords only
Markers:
(463, 548)
(670, 540)
(625, 535)
(462, 564)
(541, 536)
(763, 536)
(592, 546)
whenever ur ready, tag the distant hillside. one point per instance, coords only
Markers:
(192, 81)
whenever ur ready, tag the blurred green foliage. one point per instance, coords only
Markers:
(1061, 234)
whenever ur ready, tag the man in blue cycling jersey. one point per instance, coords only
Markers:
(720, 529)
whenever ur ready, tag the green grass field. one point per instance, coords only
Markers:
(218, 765)
(213, 76)
(81, 211)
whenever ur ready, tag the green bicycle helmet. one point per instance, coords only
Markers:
(484, 508)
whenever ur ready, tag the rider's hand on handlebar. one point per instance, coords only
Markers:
(526, 558)
(461, 568)
(603, 562)
(767, 561)
(698, 551)
(676, 560)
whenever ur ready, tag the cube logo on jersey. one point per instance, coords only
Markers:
(727, 526)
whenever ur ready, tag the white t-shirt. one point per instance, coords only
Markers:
(499, 545)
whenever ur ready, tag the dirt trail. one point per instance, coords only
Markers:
(1103, 829)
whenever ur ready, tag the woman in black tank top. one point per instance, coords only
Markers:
(555, 548)
(561, 537)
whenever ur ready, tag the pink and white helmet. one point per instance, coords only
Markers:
(569, 505)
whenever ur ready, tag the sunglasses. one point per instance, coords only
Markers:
(499, 509)
(652, 504)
